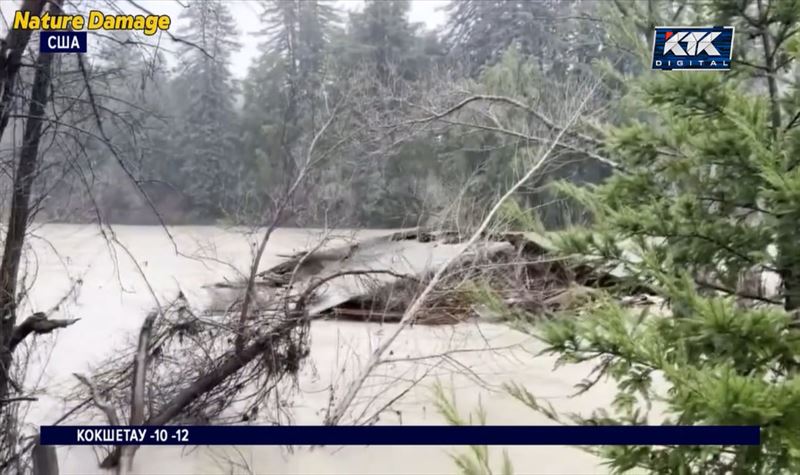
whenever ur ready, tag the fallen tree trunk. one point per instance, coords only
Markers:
(230, 365)
(45, 460)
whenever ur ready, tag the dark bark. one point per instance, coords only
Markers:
(36, 323)
(212, 379)
(789, 262)
(18, 218)
(45, 461)
(11, 50)
(791, 284)
(140, 371)
(771, 70)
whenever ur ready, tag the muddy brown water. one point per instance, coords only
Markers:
(114, 300)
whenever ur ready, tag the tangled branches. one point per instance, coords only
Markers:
(195, 375)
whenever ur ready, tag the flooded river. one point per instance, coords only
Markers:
(114, 300)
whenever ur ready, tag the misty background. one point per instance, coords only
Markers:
(208, 123)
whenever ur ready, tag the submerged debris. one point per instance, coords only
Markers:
(375, 279)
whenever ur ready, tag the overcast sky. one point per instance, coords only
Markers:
(246, 13)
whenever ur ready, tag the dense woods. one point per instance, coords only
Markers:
(685, 183)
(205, 148)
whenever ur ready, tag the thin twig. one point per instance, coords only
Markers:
(411, 312)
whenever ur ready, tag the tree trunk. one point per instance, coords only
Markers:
(45, 460)
(11, 50)
(204, 383)
(20, 210)
(789, 265)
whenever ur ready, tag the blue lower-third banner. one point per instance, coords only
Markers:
(400, 435)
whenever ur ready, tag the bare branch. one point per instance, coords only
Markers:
(411, 312)
(277, 218)
(174, 38)
(17, 399)
(101, 402)
(38, 323)
(138, 385)
(140, 371)
(11, 50)
(228, 366)
(510, 101)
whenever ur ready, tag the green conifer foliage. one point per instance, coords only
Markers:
(709, 191)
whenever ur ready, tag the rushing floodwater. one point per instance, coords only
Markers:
(114, 299)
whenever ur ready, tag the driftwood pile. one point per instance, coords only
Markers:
(375, 279)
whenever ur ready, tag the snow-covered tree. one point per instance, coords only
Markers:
(206, 165)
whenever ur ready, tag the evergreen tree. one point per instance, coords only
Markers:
(140, 124)
(540, 54)
(263, 125)
(285, 89)
(710, 193)
(487, 155)
(207, 167)
(129, 88)
(382, 36)
(299, 33)
(394, 56)
(554, 32)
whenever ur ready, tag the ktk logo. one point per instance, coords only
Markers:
(696, 43)
(697, 48)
